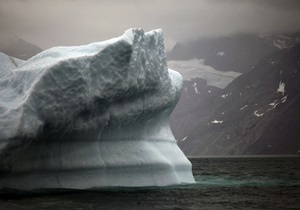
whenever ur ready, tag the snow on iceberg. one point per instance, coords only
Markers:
(92, 116)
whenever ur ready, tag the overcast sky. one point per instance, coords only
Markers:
(49, 23)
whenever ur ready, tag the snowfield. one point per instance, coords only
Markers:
(195, 68)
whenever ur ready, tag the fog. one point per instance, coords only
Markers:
(74, 22)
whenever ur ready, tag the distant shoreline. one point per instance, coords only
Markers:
(242, 156)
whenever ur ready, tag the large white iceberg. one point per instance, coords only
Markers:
(91, 116)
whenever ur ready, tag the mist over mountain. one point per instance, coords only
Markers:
(237, 53)
(258, 113)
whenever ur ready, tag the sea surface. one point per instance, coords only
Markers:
(221, 183)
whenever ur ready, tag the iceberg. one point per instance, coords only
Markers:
(91, 116)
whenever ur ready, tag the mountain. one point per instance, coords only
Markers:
(237, 53)
(283, 41)
(258, 113)
(200, 86)
(197, 97)
(14, 46)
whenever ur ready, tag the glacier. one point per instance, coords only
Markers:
(195, 68)
(91, 116)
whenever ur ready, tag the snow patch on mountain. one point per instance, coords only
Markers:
(281, 88)
(184, 138)
(243, 107)
(220, 53)
(283, 100)
(217, 121)
(225, 95)
(274, 104)
(257, 114)
(195, 87)
(282, 42)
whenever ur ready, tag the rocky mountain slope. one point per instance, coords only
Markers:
(258, 113)
(200, 87)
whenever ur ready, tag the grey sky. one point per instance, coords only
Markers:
(48, 23)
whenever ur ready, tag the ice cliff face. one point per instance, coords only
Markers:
(91, 116)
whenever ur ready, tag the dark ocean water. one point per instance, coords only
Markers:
(221, 183)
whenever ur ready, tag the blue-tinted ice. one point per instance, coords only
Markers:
(91, 116)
